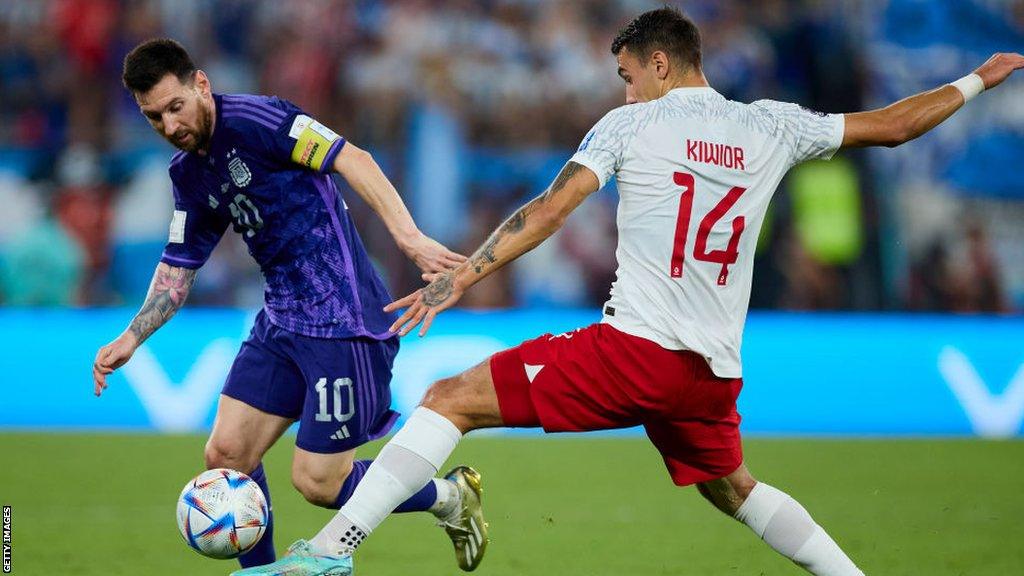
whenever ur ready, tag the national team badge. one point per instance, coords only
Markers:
(240, 173)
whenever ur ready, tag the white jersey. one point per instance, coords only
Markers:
(695, 173)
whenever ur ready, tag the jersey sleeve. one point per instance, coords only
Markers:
(195, 231)
(289, 135)
(807, 134)
(603, 148)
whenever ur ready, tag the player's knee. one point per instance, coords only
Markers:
(442, 397)
(446, 398)
(730, 492)
(742, 484)
(229, 454)
(318, 486)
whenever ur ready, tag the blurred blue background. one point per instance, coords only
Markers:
(471, 107)
(804, 373)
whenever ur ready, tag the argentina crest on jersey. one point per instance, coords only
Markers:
(239, 171)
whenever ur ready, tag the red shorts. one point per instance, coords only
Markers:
(599, 378)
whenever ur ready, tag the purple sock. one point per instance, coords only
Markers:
(263, 552)
(418, 502)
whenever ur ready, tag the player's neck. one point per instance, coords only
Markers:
(691, 80)
(213, 126)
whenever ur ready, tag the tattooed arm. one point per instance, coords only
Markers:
(166, 295)
(524, 230)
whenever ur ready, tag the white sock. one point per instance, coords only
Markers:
(787, 527)
(448, 499)
(403, 467)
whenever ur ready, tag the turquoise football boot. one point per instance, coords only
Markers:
(302, 560)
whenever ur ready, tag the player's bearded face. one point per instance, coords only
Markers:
(181, 112)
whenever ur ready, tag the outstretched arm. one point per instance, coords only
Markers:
(167, 293)
(911, 117)
(525, 229)
(360, 170)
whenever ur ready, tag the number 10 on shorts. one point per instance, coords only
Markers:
(344, 400)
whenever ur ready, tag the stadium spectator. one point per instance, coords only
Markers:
(510, 83)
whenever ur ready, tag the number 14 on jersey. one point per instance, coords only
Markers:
(700, 248)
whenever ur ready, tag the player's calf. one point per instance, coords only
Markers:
(221, 452)
(320, 485)
(780, 521)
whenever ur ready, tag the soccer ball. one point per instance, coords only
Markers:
(222, 513)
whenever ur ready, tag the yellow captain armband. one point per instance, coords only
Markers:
(312, 141)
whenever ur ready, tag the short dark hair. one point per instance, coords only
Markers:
(150, 61)
(666, 29)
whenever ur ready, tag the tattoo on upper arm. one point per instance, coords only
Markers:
(570, 170)
(167, 294)
(517, 221)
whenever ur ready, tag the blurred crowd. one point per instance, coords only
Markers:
(471, 107)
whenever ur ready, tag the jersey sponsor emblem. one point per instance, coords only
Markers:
(177, 234)
(240, 173)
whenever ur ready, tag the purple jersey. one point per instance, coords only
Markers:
(267, 175)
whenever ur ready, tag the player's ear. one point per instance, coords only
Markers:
(660, 61)
(202, 83)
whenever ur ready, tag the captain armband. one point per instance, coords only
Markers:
(312, 142)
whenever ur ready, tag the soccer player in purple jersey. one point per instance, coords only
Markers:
(321, 350)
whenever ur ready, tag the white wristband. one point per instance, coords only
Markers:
(970, 86)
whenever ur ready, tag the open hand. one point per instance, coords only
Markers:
(430, 255)
(999, 67)
(426, 303)
(110, 358)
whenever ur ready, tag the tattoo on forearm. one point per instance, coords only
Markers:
(166, 295)
(439, 290)
(515, 223)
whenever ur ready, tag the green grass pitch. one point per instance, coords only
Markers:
(104, 504)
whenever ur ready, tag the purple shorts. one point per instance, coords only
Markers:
(338, 389)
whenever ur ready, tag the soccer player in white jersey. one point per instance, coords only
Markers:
(695, 173)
